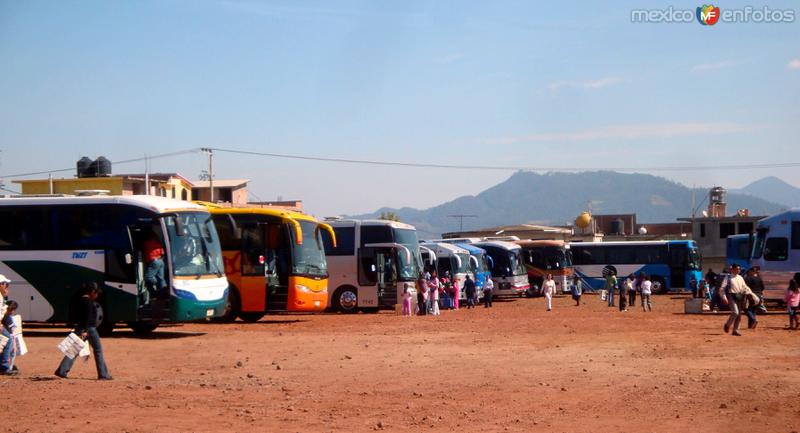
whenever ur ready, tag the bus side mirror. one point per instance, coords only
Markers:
(128, 259)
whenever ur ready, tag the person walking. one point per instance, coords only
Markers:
(456, 293)
(87, 328)
(735, 295)
(469, 292)
(488, 287)
(610, 287)
(624, 289)
(548, 289)
(792, 298)
(637, 287)
(576, 290)
(422, 294)
(7, 367)
(647, 291)
(433, 294)
(756, 284)
(8, 326)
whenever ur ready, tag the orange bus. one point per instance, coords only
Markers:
(546, 257)
(274, 260)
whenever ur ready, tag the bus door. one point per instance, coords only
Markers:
(678, 256)
(376, 268)
(151, 304)
(274, 255)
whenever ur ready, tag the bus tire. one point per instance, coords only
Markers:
(104, 327)
(233, 306)
(142, 328)
(251, 317)
(659, 285)
(345, 300)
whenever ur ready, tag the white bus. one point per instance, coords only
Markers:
(453, 259)
(776, 250)
(51, 246)
(508, 271)
(373, 262)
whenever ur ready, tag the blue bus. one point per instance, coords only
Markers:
(671, 265)
(737, 250)
(480, 264)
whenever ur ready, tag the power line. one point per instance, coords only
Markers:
(461, 219)
(508, 168)
(124, 161)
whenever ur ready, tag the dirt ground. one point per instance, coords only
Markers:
(514, 367)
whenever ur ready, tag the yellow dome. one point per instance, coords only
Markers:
(583, 220)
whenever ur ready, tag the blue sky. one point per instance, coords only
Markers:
(453, 82)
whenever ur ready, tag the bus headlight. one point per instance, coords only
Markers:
(302, 288)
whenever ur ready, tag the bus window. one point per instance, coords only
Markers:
(345, 241)
(776, 249)
(796, 235)
(23, 229)
(367, 268)
(374, 234)
(758, 245)
(252, 250)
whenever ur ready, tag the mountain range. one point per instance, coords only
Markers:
(557, 198)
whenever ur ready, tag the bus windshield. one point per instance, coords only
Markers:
(197, 250)
(550, 258)
(483, 264)
(758, 245)
(309, 258)
(694, 259)
(464, 257)
(407, 271)
(508, 264)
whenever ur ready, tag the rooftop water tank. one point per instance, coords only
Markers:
(83, 166)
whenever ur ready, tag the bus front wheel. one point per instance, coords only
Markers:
(104, 326)
(251, 317)
(346, 300)
(659, 285)
(142, 328)
(232, 306)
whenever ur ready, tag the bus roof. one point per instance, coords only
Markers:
(632, 243)
(471, 248)
(530, 243)
(794, 212)
(509, 246)
(154, 203)
(354, 222)
(439, 247)
(279, 213)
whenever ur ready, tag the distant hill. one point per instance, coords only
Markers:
(557, 198)
(773, 189)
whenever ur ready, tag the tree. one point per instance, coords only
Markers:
(389, 216)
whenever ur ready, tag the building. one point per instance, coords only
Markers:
(112, 185)
(232, 191)
(293, 205)
(711, 230)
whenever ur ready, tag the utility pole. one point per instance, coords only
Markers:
(461, 219)
(210, 154)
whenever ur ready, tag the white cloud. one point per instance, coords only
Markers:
(591, 85)
(628, 132)
(794, 64)
(712, 66)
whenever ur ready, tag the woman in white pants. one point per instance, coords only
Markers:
(548, 289)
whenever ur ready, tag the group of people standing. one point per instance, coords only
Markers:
(628, 289)
(432, 290)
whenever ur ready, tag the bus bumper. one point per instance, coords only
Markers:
(183, 310)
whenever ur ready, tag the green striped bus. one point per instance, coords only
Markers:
(51, 246)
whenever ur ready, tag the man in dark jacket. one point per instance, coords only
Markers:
(469, 292)
(756, 284)
(86, 316)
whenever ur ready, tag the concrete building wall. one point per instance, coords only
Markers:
(114, 185)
